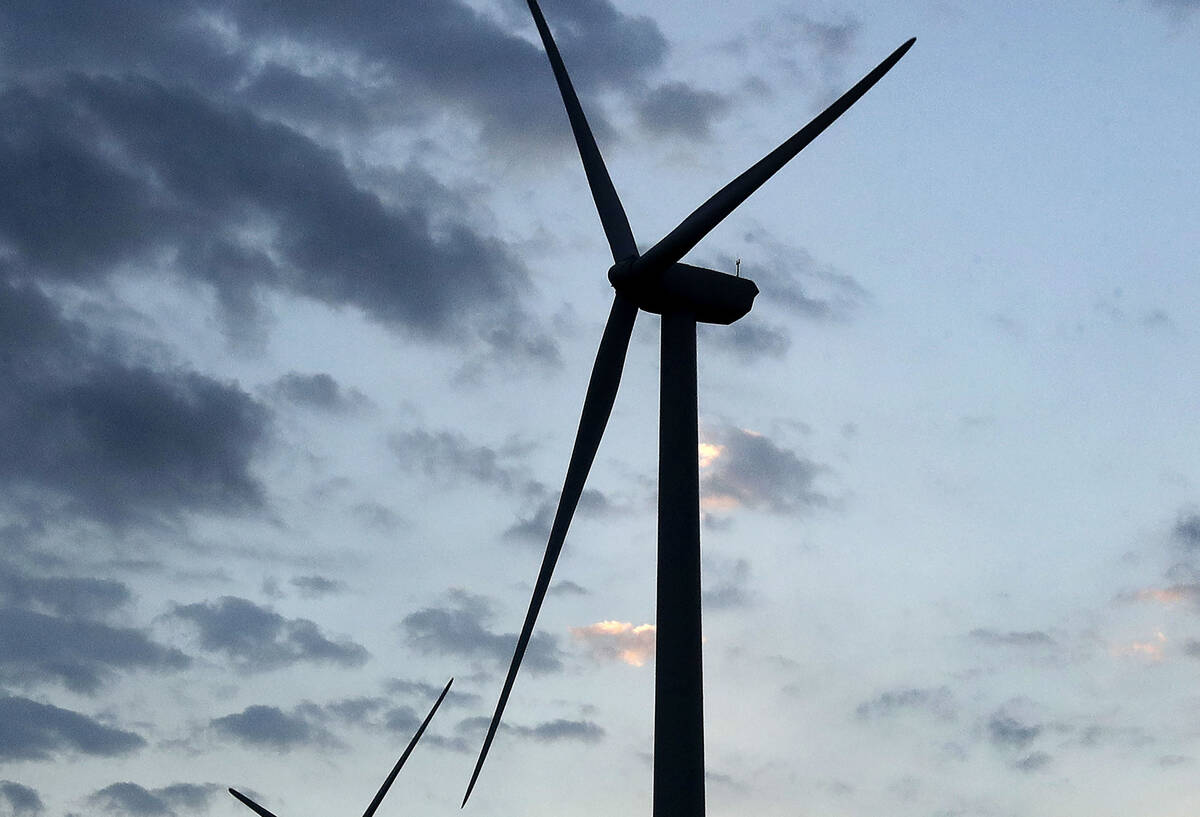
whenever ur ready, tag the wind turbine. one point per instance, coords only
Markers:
(657, 281)
(387, 784)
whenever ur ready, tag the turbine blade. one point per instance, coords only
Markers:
(255, 806)
(597, 406)
(608, 204)
(407, 751)
(708, 215)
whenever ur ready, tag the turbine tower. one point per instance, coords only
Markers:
(387, 784)
(657, 281)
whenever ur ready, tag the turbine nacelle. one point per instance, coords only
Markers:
(711, 296)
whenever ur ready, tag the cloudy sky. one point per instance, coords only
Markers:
(297, 308)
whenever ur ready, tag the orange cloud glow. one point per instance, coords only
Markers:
(619, 641)
(709, 452)
(1151, 650)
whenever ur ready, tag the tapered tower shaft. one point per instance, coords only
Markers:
(678, 675)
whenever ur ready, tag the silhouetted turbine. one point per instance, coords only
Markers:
(657, 282)
(387, 784)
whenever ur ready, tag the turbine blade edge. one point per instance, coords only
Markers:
(597, 406)
(704, 218)
(262, 812)
(383, 790)
(608, 203)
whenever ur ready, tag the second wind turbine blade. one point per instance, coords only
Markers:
(387, 784)
(597, 406)
(708, 215)
(262, 812)
(608, 204)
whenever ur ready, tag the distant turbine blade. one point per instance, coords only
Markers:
(408, 750)
(708, 215)
(612, 214)
(255, 806)
(597, 406)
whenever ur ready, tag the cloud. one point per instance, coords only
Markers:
(117, 442)
(936, 701)
(746, 469)
(582, 731)
(257, 639)
(317, 391)
(35, 647)
(1177, 8)
(1187, 531)
(726, 584)
(1171, 595)
(451, 458)
(1033, 762)
(240, 203)
(1033, 638)
(678, 109)
(132, 800)
(618, 641)
(749, 339)
(22, 800)
(566, 587)
(807, 48)
(1005, 730)
(35, 731)
(63, 595)
(270, 727)
(535, 528)
(355, 710)
(312, 587)
(430, 692)
(458, 629)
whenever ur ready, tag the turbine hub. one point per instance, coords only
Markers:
(621, 273)
(711, 296)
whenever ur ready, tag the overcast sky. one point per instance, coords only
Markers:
(298, 304)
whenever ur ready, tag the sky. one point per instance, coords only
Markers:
(298, 304)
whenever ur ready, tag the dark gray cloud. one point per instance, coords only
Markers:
(1033, 762)
(751, 471)
(560, 729)
(1187, 531)
(62, 595)
(459, 629)
(791, 279)
(450, 457)
(113, 441)
(1005, 730)
(937, 701)
(807, 49)
(355, 710)
(317, 391)
(749, 339)
(535, 528)
(312, 587)
(426, 691)
(271, 727)
(1030, 638)
(82, 211)
(726, 584)
(22, 800)
(1177, 7)
(566, 587)
(349, 64)
(36, 648)
(136, 801)
(35, 731)
(677, 109)
(257, 639)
